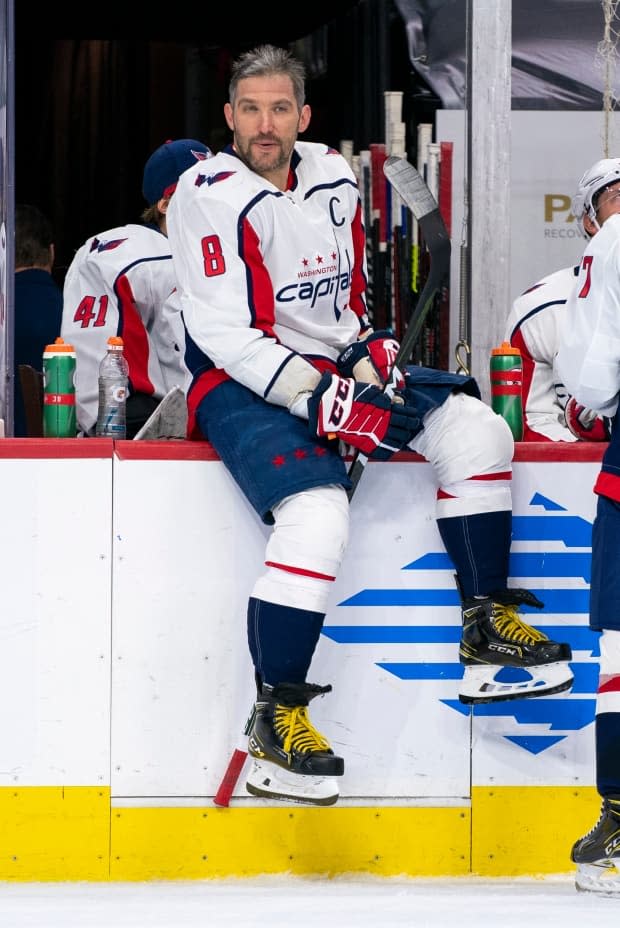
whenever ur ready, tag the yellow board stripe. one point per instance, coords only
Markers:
(73, 833)
(55, 833)
(521, 831)
(198, 843)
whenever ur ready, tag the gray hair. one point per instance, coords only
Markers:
(263, 61)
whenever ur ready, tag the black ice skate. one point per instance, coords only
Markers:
(597, 854)
(290, 759)
(495, 638)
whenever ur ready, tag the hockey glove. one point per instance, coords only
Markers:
(361, 415)
(371, 359)
(585, 424)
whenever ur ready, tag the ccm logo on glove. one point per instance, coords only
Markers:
(361, 415)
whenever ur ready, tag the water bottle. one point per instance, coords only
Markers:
(113, 374)
(59, 390)
(506, 372)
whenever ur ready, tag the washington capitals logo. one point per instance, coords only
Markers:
(565, 568)
(211, 179)
(97, 245)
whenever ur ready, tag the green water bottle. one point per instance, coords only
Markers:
(506, 372)
(59, 390)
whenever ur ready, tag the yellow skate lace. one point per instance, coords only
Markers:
(606, 806)
(510, 625)
(297, 731)
(596, 824)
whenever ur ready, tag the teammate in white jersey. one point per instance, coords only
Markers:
(534, 326)
(589, 363)
(121, 282)
(269, 253)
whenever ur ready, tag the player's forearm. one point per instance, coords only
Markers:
(259, 362)
(279, 375)
(594, 381)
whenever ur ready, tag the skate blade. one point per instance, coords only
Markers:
(269, 781)
(602, 878)
(479, 684)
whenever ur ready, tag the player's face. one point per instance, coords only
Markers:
(608, 203)
(266, 121)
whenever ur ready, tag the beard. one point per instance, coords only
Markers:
(263, 163)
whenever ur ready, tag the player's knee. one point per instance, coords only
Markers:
(488, 445)
(311, 531)
(466, 438)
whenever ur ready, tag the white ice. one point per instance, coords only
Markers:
(295, 902)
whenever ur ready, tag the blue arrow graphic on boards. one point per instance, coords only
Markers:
(555, 525)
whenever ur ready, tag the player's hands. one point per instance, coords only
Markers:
(585, 424)
(371, 359)
(361, 415)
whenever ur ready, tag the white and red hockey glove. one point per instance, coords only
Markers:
(361, 415)
(585, 424)
(371, 359)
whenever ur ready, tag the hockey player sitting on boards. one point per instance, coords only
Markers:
(534, 326)
(269, 252)
(121, 282)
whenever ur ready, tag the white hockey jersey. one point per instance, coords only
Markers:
(534, 326)
(121, 282)
(272, 284)
(589, 355)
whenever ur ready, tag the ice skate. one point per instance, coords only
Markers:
(504, 657)
(291, 760)
(597, 854)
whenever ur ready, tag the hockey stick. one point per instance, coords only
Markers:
(234, 768)
(411, 187)
(168, 420)
(229, 780)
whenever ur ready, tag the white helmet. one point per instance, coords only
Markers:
(600, 175)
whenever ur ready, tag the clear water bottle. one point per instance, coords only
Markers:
(113, 376)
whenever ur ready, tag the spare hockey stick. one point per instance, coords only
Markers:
(168, 420)
(410, 185)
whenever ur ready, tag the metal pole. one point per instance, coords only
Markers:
(488, 178)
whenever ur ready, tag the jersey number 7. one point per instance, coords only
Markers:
(587, 266)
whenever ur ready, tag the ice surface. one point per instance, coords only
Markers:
(295, 902)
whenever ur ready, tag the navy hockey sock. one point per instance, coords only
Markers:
(607, 727)
(479, 547)
(282, 640)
